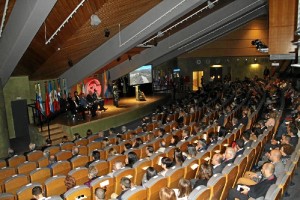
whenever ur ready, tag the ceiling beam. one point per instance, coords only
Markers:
(24, 22)
(203, 31)
(150, 23)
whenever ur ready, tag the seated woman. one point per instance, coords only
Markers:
(184, 189)
(69, 183)
(150, 173)
(137, 143)
(204, 175)
(191, 151)
(178, 157)
(92, 175)
(166, 193)
(174, 140)
(131, 159)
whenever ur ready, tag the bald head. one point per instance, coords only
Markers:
(275, 155)
(268, 169)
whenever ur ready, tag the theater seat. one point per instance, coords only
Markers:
(43, 162)
(93, 146)
(34, 155)
(2, 163)
(155, 158)
(16, 160)
(283, 182)
(7, 196)
(119, 174)
(81, 142)
(40, 175)
(273, 193)
(26, 167)
(25, 192)
(79, 161)
(135, 193)
(67, 146)
(190, 168)
(230, 172)
(154, 185)
(200, 193)
(53, 149)
(61, 168)
(54, 198)
(55, 185)
(111, 161)
(241, 162)
(78, 191)
(216, 184)
(6, 172)
(174, 175)
(12, 184)
(102, 167)
(108, 183)
(80, 174)
(63, 155)
(140, 168)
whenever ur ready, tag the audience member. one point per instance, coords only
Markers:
(96, 156)
(37, 193)
(131, 159)
(92, 175)
(184, 189)
(166, 193)
(239, 147)
(150, 173)
(216, 161)
(166, 164)
(99, 194)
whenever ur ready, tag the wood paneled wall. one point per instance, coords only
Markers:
(236, 43)
(282, 19)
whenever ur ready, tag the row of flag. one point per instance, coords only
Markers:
(52, 96)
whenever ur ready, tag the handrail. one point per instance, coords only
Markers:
(34, 111)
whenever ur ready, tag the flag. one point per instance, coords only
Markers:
(51, 106)
(65, 87)
(83, 88)
(55, 98)
(58, 89)
(107, 93)
(37, 103)
(105, 84)
(78, 88)
(40, 97)
(47, 103)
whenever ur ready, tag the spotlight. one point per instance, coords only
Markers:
(95, 20)
(106, 32)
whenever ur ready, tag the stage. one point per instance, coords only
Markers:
(129, 110)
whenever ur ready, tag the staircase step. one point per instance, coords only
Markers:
(51, 126)
(52, 132)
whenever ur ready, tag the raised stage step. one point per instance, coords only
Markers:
(56, 133)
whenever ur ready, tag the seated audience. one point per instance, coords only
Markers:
(246, 138)
(184, 189)
(239, 147)
(131, 159)
(174, 140)
(99, 194)
(96, 156)
(69, 183)
(92, 175)
(150, 173)
(229, 156)
(166, 164)
(126, 185)
(216, 161)
(31, 149)
(75, 153)
(149, 151)
(286, 151)
(204, 174)
(258, 190)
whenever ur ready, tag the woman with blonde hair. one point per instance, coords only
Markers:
(166, 193)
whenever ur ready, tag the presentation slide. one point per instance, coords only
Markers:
(141, 75)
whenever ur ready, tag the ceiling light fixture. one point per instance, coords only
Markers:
(95, 20)
(3, 17)
(66, 21)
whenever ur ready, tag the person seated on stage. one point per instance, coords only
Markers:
(258, 190)
(74, 106)
(98, 100)
(93, 105)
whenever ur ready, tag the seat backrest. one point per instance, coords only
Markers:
(155, 158)
(190, 168)
(79, 161)
(125, 172)
(34, 155)
(63, 155)
(216, 184)
(82, 150)
(26, 167)
(200, 193)
(250, 158)
(61, 168)
(40, 175)
(93, 146)
(43, 162)
(54, 198)
(55, 185)
(241, 162)
(67, 146)
(2, 163)
(91, 138)
(12, 184)
(78, 191)
(53, 149)
(203, 157)
(6, 172)
(273, 193)
(111, 161)
(81, 142)
(7, 196)
(283, 181)
(230, 172)
(137, 192)
(106, 182)
(25, 192)
(140, 168)
(182, 145)
(154, 185)
(174, 175)
(16, 160)
(102, 166)
(80, 174)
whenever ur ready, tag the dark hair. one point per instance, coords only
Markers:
(96, 155)
(150, 172)
(126, 182)
(287, 149)
(288, 138)
(176, 139)
(48, 141)
(150, 149)
(205, 171)
(167, 161)
(184, 187)
(293, 130)
(70, 182)
(132, 158)
(191, 150)
(128, 146)
(222, 131)
(246, 134)
(138, 142)
(240, 143)
(37, 190)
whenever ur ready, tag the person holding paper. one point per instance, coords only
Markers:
(258, 190)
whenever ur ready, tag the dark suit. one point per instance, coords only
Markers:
(248, 144)
(121, 194)
(240, 152)
(226, 162)
(294, 141)
(218, 169)
(258, 190)
(244, 120)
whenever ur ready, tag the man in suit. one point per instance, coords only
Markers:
(258, 190)
(216, 161)
(229, 156)
(96, 156)
(239, 147)
(246, 138)
(126, 185)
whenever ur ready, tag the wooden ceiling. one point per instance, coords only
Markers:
(78, 38)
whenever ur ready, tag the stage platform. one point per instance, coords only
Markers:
(129, 110)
